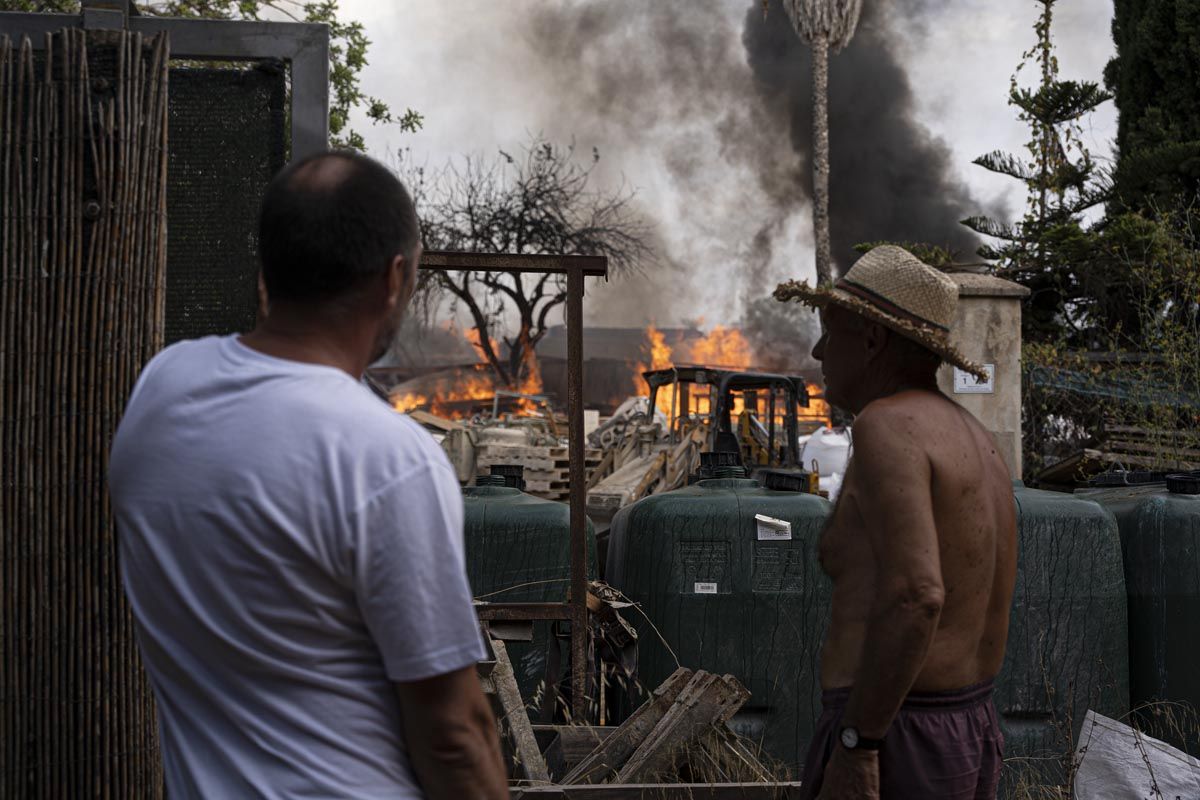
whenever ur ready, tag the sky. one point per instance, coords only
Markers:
(486, 74)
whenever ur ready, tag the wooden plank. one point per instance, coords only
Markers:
(652, 474)
(1162, 449)
(707, 700)
(575, 741)
(663, 791)
(607, 758)
(602, 470)
(431, 421)
(524, 451)
(530, 764)
(1137, 432)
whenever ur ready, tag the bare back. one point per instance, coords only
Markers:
(970, 505)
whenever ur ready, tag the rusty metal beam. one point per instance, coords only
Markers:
(578, 480)
(589, 266)
(517, 612)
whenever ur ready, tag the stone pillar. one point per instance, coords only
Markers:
(988, 330)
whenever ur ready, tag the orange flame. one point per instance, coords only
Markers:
(475, 337)
(660, 358)
(724, 348)
(457, 396)
(442, 395)
(532, 384)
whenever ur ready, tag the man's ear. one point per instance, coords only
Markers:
(875, 339)
(397, 281)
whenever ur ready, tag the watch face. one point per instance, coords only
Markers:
(849, 738)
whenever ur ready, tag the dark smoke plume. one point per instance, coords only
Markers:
(889, 178)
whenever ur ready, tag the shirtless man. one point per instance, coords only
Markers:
(921, 549)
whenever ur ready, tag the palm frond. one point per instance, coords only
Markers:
(833, 20)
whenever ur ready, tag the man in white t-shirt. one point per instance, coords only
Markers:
(292, 547)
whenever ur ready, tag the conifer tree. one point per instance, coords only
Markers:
(1048, 250)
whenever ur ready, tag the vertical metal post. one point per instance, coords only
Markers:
(774, 390)
(579, 659)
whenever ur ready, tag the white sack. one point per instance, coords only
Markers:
(830, 448)
(1118, 763)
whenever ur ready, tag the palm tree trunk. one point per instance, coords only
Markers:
(820, 135)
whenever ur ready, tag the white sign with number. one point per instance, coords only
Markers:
(966, 383)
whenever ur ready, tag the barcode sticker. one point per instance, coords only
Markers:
(773, 530)
(706, 588)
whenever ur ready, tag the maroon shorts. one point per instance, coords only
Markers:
(941, 745)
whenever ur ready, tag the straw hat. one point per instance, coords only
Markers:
(894, 288)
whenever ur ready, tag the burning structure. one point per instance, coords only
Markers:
(615, 360)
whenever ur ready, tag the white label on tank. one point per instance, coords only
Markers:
(773, 530)
(706, 588)
(966, 383)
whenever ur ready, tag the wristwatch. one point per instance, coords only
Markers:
(852, 741)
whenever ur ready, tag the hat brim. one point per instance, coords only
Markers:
(934, 341)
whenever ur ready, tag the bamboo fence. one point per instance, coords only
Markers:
(83, 126)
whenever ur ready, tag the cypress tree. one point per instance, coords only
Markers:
(1155, 80)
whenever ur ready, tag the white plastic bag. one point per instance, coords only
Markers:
(1115, 762)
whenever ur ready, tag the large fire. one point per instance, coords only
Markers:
(454, 396)
(448, 396)
(723, 348)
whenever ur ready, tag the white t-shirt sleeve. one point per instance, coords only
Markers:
(410, 575)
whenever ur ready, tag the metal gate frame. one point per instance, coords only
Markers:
(304, 45)
(575, 609)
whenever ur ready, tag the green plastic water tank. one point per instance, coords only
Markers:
(727, 571)
(518, 550)
(1160, 536)
(1067, 640)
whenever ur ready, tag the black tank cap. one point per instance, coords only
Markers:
(720, 459)
(512, 474)
(784, 481)
(1188, 483)
(489, 480)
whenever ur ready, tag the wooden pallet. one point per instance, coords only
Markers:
(547, 469)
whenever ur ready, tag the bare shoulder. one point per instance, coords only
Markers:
(892, 431)
(894, 420)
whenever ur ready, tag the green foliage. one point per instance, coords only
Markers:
(1148, 380)
(932, 254)
(1154, 79)
(1049, 250)
(347, 50)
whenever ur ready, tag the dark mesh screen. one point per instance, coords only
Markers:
(228, 136)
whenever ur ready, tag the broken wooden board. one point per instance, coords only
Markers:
(708, 700)
(606, 760)
(502, 684)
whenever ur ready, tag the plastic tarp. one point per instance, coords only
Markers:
(1116, 762)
